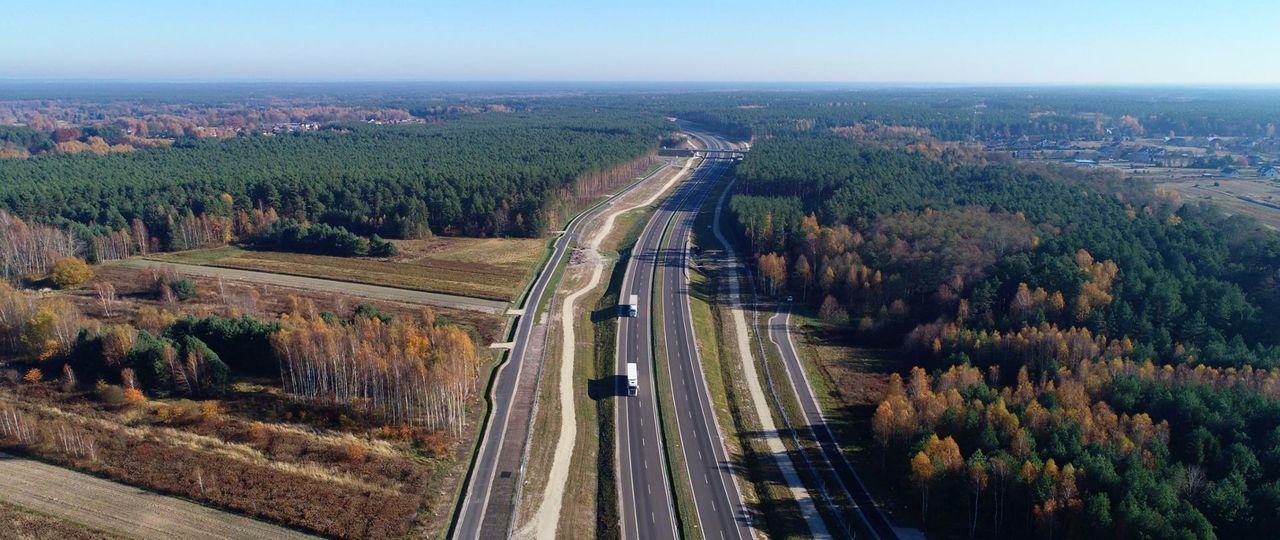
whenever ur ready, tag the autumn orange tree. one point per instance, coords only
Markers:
(1109, 446)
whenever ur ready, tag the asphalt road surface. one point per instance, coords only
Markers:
(645, 495)
(869, 514)
(647, 507)
(488, 504)
(717, 503)
(129, 511)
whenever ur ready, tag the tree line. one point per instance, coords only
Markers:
(482, 174)
(417, 372)
(1104, 355)
(987, 113)
(892, 240)
(1111, 449)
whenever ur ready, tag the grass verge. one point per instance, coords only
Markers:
(676, 467)
(765, 487)
(847, 381)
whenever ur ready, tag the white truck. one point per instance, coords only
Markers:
(632, 305)
(633, 379)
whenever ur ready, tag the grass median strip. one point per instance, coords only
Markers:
(676, 466)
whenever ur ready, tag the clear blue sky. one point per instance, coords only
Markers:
(959, 41)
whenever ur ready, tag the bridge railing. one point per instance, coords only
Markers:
(690, 152)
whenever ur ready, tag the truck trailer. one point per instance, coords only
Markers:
(632, 305)
(633, 379)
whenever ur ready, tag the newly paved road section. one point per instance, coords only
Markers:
(868, 513)
(717, 503)
(489, 501)
(647, 507)
(645, 494)
(121, 509)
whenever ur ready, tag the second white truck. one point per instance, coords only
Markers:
(633, 379)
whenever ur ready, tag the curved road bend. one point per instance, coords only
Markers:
(870, 515)
(487, 507)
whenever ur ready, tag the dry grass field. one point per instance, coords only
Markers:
(256, 450)
(1256, 197)
(337, 484)
(215, 297)
(19, 523)
(491, 268)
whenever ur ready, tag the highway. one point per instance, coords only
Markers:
(870, 516)
(645, 497)
(717, 503)
(488, 503)
(645, 494)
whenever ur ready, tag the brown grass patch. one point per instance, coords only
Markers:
(299, 479)
(491, 268)
(20, 523)
(132, 285)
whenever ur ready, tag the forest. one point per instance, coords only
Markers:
(1040, 276)
(481, 174)
(986, 113)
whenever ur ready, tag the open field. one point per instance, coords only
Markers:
(1255, 197)
(107, 506)
(259, 453)
(343, 289)
(490, 268)
(23, 523)
(221, 296)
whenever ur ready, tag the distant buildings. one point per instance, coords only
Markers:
(1268, 172)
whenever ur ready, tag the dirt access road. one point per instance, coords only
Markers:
(129, 511)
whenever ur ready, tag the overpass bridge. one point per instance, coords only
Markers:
(721, 153)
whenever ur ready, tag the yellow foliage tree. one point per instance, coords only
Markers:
(70, 271)
(922, 473)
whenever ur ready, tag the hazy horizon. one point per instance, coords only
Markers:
(984, 43)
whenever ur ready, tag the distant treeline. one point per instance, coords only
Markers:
(986, 113)
(483, 174)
